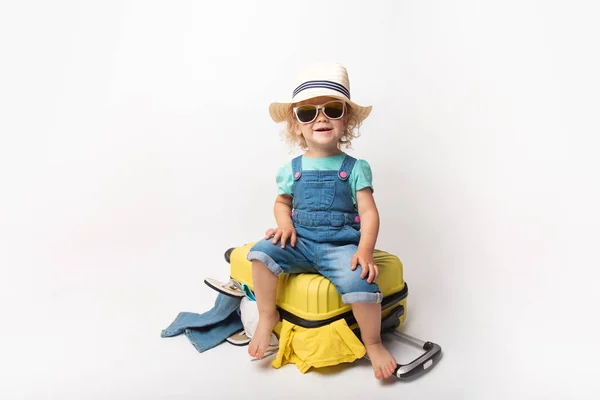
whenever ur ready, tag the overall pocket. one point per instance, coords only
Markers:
(319, 195)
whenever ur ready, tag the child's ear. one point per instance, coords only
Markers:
(346, 119)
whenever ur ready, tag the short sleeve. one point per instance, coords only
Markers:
(285, 181)
(363, 177)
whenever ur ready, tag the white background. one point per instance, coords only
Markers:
(136, 147)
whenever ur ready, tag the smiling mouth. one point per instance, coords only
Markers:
(322, 130)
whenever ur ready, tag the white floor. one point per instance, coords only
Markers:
(96, 334)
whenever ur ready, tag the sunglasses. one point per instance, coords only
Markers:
(308, 113)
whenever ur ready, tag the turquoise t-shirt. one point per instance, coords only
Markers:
(360, 177)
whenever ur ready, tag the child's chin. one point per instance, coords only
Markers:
(325, 142)
(325, 137)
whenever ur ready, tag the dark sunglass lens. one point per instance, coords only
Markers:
(306, 113)
(334, 110)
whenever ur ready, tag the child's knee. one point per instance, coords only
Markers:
(259, 265)
(353, 283)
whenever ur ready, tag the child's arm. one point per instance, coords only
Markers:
(285, 227)
(369, 219)
(369, 229)
(283, 209)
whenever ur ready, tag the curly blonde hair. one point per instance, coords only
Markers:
(352, 130)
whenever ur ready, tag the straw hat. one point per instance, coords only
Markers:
(329, 80)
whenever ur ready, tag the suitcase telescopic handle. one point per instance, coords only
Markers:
(432, 354)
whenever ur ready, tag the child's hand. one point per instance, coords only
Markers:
(364, 258)
(284, 233)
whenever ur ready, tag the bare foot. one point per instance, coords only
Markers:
(383, 363)
(262, 337)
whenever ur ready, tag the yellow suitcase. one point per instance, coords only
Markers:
(312, 301)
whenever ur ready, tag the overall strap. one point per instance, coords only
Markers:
(346, 167)
(297, 167)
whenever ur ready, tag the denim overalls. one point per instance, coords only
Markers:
(327, 233)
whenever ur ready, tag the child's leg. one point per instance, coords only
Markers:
(265, 289)
(368, 317)
(365, 298)
(268, 261)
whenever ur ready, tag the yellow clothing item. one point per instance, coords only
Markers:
(317, 347)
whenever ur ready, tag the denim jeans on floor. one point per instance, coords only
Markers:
(209, 329)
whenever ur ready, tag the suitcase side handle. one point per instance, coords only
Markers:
(432, 354)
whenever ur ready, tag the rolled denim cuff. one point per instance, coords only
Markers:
(265, 259)
(362, 297)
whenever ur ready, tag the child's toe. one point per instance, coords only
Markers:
(392, 367)
(389, 372)
(378, 373)
(254, 350)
